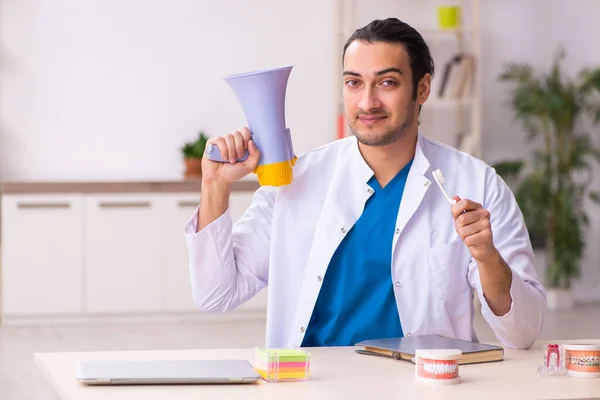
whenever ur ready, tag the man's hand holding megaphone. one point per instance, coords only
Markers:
(232, 147)
(217, 176)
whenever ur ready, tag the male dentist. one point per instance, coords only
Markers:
(363, 244)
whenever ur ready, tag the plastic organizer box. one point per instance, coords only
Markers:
(281, 365)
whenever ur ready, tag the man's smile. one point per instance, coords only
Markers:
(371, 119)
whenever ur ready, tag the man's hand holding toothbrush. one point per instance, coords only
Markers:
(472, 223)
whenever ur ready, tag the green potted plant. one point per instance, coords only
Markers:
(192, 155)
(552, 185)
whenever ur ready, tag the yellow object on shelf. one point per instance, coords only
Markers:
(449, 17)
(281, 365)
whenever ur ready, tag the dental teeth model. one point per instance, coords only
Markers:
(438, 366)
(582, 360)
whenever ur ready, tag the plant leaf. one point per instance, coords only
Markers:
(509, 169)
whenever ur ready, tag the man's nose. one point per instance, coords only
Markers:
(369, 100)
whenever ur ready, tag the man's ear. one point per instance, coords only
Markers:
(423, 89)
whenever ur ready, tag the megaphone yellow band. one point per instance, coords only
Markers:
(276, 174)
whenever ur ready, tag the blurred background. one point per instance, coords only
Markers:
(105, 107)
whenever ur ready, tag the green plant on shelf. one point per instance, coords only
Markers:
(195, 149)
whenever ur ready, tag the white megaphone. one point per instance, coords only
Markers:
(262, 97)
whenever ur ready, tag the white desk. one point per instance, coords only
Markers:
(336, 373)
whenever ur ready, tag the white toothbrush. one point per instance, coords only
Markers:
(439, 178)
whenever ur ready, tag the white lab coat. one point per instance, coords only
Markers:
(288, 235)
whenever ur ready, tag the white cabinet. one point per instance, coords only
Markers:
(124, 256)
(178, 292)
(42, 254)
(87, 253)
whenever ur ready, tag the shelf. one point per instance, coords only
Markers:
(447, 34)
(436, 102)
(427, 33)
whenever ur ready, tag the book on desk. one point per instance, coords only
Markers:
(404, 348)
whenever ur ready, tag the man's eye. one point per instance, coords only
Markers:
(389, 82)
(351, 82)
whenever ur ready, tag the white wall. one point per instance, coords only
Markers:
(111, 89)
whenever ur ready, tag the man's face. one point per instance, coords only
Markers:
(378, 92)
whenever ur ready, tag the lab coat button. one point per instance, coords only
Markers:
(398, 284)
(426, 183)
(370, 190)
(319, 278)
(343, 230)
(408, 334)
(397, 231)
(301, 329)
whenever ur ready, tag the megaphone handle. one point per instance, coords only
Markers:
(213, 154)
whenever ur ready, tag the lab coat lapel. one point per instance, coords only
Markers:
(416, 186)
(343, 205)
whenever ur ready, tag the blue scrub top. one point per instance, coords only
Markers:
(356, 301)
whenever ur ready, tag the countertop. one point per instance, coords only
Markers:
(48, 187)
(335, 373)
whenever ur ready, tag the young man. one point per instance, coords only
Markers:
(363, 244)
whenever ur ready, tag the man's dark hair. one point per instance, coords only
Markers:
(392, 30)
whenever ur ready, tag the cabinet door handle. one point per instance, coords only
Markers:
(185, 204)
(44, 205)
(124, 204)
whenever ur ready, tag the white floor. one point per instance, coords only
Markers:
(19, 378)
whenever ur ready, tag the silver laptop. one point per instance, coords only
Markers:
(165, 372)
